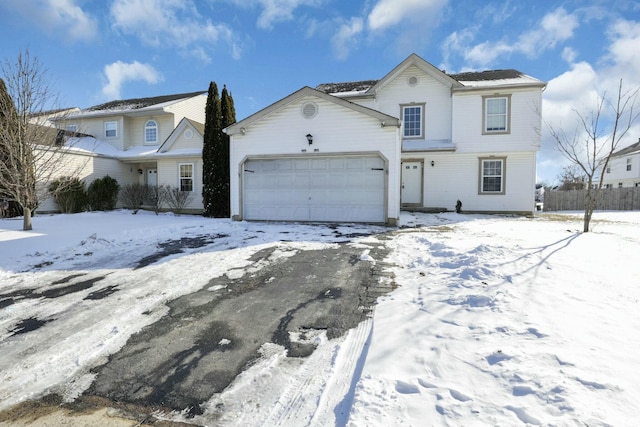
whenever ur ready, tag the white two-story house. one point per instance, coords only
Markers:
(416, 139)
(155, 141)
(623, 169)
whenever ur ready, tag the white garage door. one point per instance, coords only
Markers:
(341, 189)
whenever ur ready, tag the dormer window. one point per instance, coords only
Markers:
(413, 121)
(151, 132)
(496, 114)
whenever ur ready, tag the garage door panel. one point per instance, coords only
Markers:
(341, 189)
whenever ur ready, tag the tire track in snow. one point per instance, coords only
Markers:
(328, 389)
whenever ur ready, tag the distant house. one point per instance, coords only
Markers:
(624, 168)
(418, 138)
(151, 141)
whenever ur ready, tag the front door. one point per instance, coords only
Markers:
(152, 177)
(411, 189)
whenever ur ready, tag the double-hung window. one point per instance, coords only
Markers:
(413, 121)
(151, 132)
(110, 129)
(185, 171)
(492, 175)
(628, 164)
(496, 114)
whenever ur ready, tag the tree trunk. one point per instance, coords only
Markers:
(26, 223)
(588, 209)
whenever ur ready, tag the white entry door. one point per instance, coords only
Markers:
(152, 177)
(340, 189)
(411, 190)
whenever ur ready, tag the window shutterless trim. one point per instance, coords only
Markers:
(503, 180)
(507, 119)
(115, 129)
(150, 125)
(422, 115)
(190, 178)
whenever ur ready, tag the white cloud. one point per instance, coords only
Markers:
(346, 38)
(554, 28)
(120, 72)
(387, 13)
(276, 11)
(57, 17)
(174, 23)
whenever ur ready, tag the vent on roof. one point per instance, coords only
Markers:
(309, 110)
(412, 81)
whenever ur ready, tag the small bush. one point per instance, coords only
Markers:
(177, 199)
(159, 195)
(69, 194)
(102, 194)
(134, 195)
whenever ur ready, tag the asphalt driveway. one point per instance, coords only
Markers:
(208, 337)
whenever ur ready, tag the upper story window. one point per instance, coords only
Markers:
(110, 129)
(496, 114)
(413, 121)
(151, 132)
(492, 176)
(72, 128)
(608, 169)
(628, 164)
(186, 176)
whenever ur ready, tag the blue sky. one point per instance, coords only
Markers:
(96, 51)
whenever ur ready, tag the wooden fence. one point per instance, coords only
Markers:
(609, 199)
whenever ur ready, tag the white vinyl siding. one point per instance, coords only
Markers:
(455, 176)
(193, 108)
(524, 124)
(436, 122)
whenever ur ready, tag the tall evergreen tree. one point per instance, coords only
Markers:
(212, 131)
(222, 171)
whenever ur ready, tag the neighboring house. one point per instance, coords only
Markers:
(624, 168)
(417, 139)
(151, 141)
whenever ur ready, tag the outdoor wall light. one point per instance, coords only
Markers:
(310, 138)
(140, 171)
(433, 163)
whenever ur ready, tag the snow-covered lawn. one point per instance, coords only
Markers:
(495, 321)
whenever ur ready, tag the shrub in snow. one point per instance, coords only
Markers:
(69, 194)
(133, 196)
(102, 194)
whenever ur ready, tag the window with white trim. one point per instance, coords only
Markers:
(413, 121)
(492, 175)
(185, 172)
(496, 114)
(110, 129)
(151, 132)
(628, 164)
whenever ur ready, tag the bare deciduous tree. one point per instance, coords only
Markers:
(30, 149)
(602, 129)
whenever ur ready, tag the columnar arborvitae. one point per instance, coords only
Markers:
(219, 113)
(212, 131)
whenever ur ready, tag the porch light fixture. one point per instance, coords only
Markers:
(310, 138)
(140, 171)
(433, 163)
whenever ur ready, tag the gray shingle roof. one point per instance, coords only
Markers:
(360, 86)
(135, 103)
(628, 150)
(478, 76)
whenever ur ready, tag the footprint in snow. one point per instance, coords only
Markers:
(406, 388)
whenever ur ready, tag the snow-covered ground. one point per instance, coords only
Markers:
(495, 321)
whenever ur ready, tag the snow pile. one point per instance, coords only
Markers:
(495, 321)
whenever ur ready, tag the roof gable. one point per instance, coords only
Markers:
(423, 65)
(174, 135)
(238, 127)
